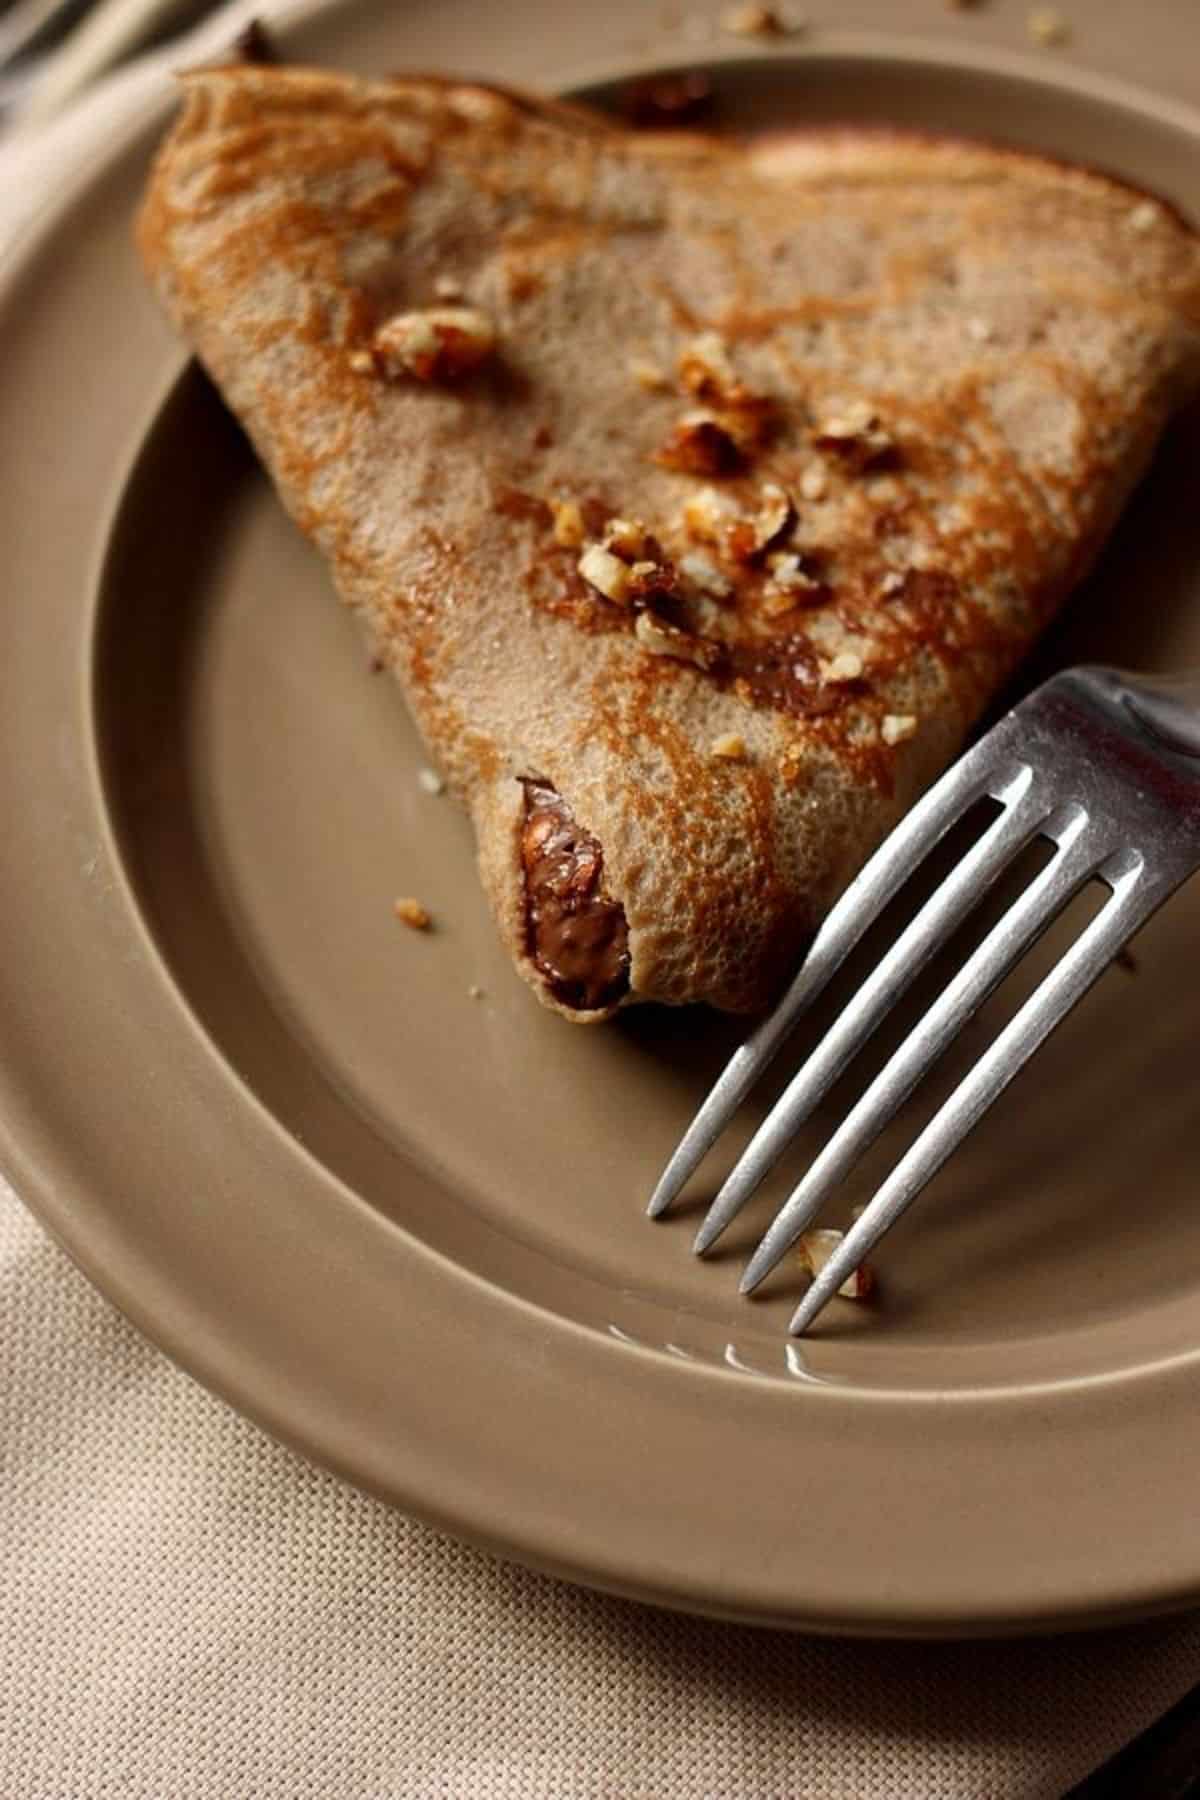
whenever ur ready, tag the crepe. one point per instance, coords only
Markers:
(698, 493)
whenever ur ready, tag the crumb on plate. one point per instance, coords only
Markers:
(1047, 27)
(815, 1249)
(410, 912)
(760, 22)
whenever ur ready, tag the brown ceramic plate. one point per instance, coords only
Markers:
(403, 1227)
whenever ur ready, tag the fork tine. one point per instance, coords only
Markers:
(1024, 816)
(1135, 897)
(1025, 919)
(976, 774)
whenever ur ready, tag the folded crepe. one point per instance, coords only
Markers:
(698, 493)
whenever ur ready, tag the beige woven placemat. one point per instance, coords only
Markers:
(189, 1612)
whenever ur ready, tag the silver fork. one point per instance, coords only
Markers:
(1103, 764)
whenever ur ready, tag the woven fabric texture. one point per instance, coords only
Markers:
(190, 1612)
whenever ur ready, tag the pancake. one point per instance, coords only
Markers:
(699, 494)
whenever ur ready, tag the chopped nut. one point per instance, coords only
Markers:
(431, 782)
(787, 567)
(653, 635)
(856, 435)
(860, 415)
(729, 747)
(816, 1248)
(362, 362)
(648, 375)
(980, 331)
(413, 914)
(750, 419)
(438, 344)
(847, 665)
(896, 727)
(652, 581)
(707, 513)
(814, 483)
(758, 21)
(660, 638)
(700, 445)
(773, 520)
(448, 287)
(892, 584)
(778, 601)
(569, 529)
(704, 574)
(748, 538)
(791, 585)
(705, 368)
(1143, 217)
(699, 614)
(627, 538)
(478, 104)
(606, 573)
(791, 764)
(1047, 27)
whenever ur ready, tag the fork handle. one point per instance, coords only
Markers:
(1165, 706)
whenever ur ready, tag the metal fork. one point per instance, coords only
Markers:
(1103, 764)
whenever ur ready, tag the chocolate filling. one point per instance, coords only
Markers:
(670, 102)
(576, 934)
